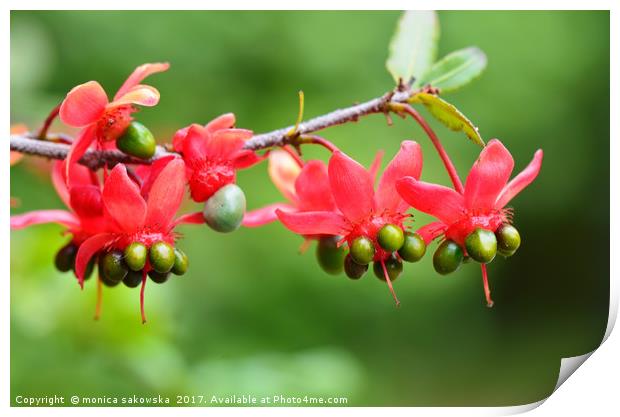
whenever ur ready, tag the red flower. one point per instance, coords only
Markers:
(363, 212)
(487, 192)
(87, 106)
(304, 185)
(212, 154)
(82, 197)
(142, 214)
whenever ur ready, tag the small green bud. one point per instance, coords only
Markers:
(135, 256)
(448, 257)
(181, 262)
(508, 240)
(159, 277)
(353, 269)
(162, 257)
(481, 245)
(65, 258)
(112, 267)
(133, 278)
(224, 210)
(362, 250)
(137, 141)
(413, 249)
(329, 255)
(393, 265)
(391, 237)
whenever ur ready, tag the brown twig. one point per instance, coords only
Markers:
(29, 144)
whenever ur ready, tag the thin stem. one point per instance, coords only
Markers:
(485, 282)
(48, 122)
(389, 283)
(317, 140)
(93, 159)
(447, 162)
(142, 313)
(99, 298)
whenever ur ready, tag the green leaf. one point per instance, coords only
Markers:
(449, 115)
(414, 45)
(455, 69)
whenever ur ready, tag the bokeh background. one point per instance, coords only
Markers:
(252, 315)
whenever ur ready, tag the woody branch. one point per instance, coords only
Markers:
(94, 159)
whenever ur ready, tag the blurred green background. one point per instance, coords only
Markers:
(254, 316)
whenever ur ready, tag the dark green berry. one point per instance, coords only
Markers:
(481, 245)
(159, 277)
(181, 262)
(133, 278)
(108, 282)
(135, 256)
(393, 265)
(362, 250)
(508, 240)
(353, 269)
(448, 257)
(65, 258)
(413, 249)
(161, 256)
(329, 255)
(112, 267)
(224, 210)
(391, 237)
(137, 141)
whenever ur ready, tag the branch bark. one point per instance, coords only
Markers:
(94, 159)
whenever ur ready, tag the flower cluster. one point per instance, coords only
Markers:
(123, 220)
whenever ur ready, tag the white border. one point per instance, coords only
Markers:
(594, 390)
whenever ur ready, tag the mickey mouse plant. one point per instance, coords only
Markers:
(123, 192)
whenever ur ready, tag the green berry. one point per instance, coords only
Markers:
(135, 256)
(413, 249)
(481, 245)
(329, 255)
(65, 258)
(181, 262)
(161, 256)
(362, 250)
(224, 210)
(508, 240)
(159, 277)
(448, 257)
(353, 269)
(133, 278)
(108, 282)
(393, 265)
(112, 267)
(391, 237)
(137, 141)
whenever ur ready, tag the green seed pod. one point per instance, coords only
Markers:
(413, 249)
(65, 258)
(224, 210)
(393, 265)
(362, 250)
(162, 257)
(391, 237)
(137, 141)
(448, 257)
(135, 256)
(508, 240)
(329, 255)
(353, 269)
(133, 279)
(159, 277)
(112, 267)
(481, 245)
(108, 282)
(181, 262)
